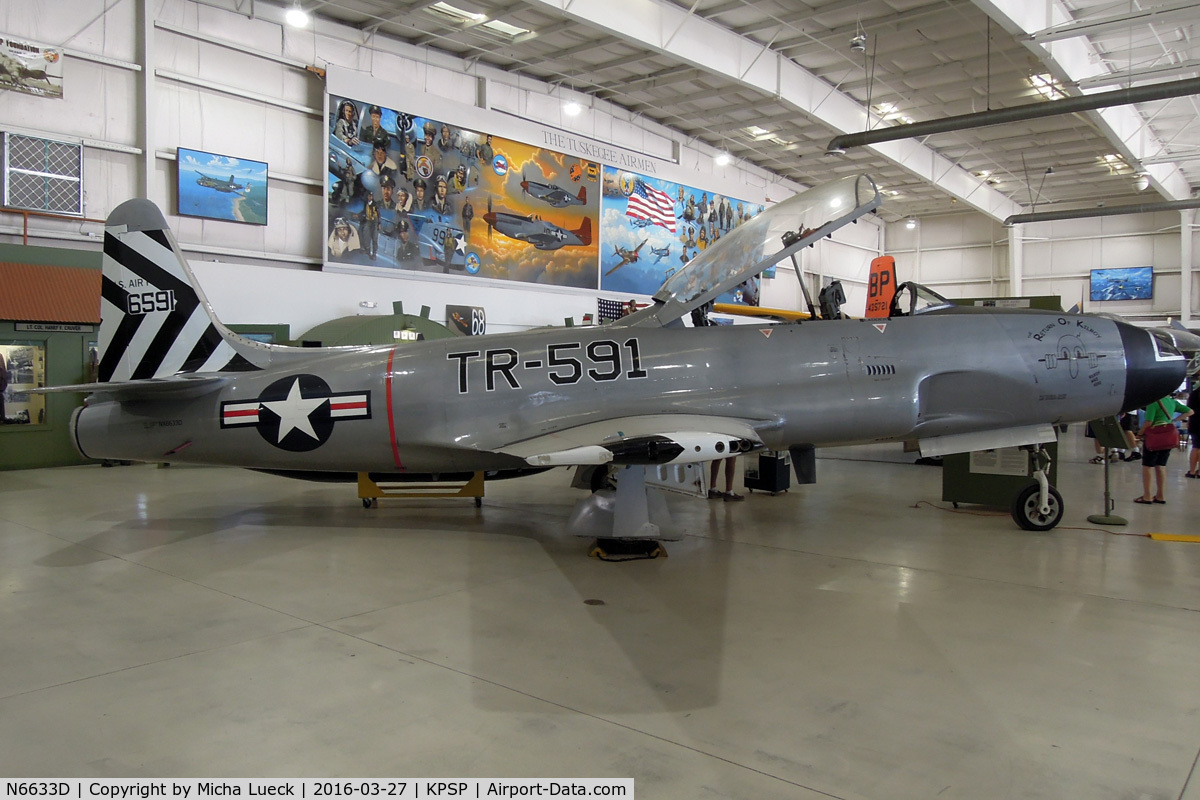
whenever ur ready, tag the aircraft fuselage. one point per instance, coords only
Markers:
(467, 403)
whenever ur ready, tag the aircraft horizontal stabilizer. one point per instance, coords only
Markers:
(178, 386)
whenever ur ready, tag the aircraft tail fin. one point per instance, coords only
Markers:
(154, 319)
(583, 194)
(584, 231)
(881, 286)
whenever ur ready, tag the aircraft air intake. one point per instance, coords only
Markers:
(1153, 368)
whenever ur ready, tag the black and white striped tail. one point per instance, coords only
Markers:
(154, 319)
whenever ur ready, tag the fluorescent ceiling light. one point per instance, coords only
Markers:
(572, 109)
(723, 159)
(1046, 86)
(296, 16)
(457, 13)
(499, 26)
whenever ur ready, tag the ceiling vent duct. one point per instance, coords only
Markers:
(1000, 116)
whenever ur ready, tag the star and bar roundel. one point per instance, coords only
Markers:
(296, 413)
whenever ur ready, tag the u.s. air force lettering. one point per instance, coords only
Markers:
(296, 413)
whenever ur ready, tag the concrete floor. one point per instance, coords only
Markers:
(836, 641)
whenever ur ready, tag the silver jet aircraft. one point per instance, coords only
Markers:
(177, 385)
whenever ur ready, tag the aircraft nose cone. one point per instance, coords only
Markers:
(490, 218)
(1153, 367)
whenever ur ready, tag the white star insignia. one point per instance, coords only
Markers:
(460, 244)
(294, 412)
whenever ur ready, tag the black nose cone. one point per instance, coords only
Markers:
(1153, 367)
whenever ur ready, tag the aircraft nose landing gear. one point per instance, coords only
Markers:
(1039, 506)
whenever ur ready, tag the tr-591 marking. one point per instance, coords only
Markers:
(565, 363)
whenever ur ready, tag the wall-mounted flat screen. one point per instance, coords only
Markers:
(222, 187)
(1123, 283)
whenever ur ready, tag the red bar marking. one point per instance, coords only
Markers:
(348, 405)
(251, 413)
(391, 420)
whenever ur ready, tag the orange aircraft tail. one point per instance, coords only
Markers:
(584, 231)
(881, 286)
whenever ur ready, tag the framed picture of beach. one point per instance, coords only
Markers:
(222, 187)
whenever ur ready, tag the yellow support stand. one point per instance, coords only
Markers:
(1173, 537)
(370, 491)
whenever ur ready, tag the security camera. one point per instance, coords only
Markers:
(1142, 183)
(859, 43)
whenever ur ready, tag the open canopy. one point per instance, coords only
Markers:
(759, 243)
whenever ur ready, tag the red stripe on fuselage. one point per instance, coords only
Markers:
(391, 420)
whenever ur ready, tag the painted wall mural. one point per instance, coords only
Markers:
(416, 193)
(651, 227)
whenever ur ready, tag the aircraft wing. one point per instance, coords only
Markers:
(177, 386)
(1184, 338)
(757, 244)
(649, 439)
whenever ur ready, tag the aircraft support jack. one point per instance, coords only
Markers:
(1039, 506)
(1110, 505)
(632, 513)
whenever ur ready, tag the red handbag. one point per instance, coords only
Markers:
(1162, 437)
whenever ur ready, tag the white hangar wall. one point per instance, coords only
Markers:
(956, 255)
(968, 255)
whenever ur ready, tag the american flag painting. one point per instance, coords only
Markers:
(649, 203)
(609, 309)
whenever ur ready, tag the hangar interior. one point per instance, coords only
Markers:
(858, 638)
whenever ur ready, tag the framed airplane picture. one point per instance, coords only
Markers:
(1123, 283)
(222, 187)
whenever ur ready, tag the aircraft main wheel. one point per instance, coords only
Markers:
(1027, 513)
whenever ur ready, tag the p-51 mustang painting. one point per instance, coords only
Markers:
(645, 390)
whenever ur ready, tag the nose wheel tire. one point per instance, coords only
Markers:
(1026, 511)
